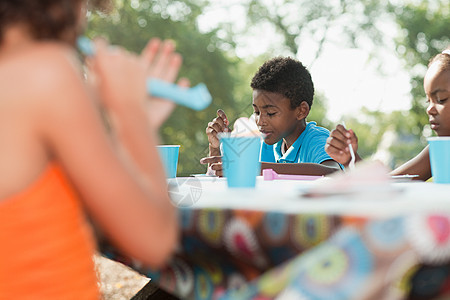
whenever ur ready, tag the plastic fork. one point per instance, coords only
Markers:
(351, 164)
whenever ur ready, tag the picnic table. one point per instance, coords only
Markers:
(276, 241)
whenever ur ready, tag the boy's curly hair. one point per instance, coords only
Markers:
(46, 19)
(286, 76)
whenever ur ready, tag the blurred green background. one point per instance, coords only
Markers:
(211, 57)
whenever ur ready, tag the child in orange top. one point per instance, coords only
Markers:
(437, 89)
(57, 159)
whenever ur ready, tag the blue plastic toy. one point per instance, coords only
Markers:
(197, 97)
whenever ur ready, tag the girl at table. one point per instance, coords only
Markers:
(57, 159)
(437, 89)
(283, 94)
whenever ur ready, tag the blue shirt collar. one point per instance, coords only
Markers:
(292, 154)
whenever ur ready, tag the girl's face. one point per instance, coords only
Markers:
(437, 89)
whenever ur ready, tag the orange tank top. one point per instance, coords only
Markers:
(47, 247)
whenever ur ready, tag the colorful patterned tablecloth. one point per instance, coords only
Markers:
(267, 253)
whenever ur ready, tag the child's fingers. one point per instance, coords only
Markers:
(184, 82)
(211, 160)
(172, 68)
(215, 126)
(165, 60)
(219, 124)
(217, 168)
(339, 136)
(212, 137)
(337, 143)
(222, 114)
(151, 50)
(343, 130)
(337, 153)
(111, 58)
(222, 120)
(332, 150)
(353, 136)
(350, 138)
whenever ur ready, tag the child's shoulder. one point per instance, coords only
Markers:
(36, 74)
(313, 128)
(40, 61)
(55, 58)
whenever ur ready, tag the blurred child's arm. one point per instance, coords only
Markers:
(126, 107)
(337, 145)
(327, 167)
(127, 198)
(419, 165)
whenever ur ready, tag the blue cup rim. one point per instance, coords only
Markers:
(438, 138)
(228, 135)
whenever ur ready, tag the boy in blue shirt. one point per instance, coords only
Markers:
(283, 93)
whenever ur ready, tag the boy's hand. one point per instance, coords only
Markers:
(337, 145)
(219, 124)
(215, 163)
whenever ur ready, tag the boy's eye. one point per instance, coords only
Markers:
(442, 100)
(271, 114)
(256, 113)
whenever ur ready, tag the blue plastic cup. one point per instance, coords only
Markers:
(440, 158)
(241, 160)
(169, 157)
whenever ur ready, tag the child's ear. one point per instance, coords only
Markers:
(302, 110)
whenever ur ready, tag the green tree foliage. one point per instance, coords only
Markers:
(425, 31)
(133, 23)
(317, 20)
(210, 57)
(318, 112)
